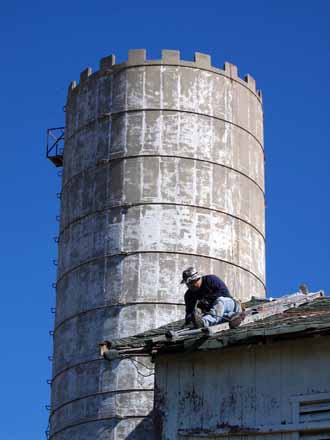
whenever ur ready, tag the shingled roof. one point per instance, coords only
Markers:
(312, 317)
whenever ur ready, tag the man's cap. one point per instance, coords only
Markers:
(189, 275)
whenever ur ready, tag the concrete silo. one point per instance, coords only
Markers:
(162, 168)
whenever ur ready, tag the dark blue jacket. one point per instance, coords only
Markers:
(212, 287)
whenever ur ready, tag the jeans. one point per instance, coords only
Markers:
(222, 308)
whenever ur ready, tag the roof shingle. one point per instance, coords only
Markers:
(306, 319)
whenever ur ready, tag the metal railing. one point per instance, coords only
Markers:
(55, 145)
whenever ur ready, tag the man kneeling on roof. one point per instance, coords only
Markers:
(208, 301)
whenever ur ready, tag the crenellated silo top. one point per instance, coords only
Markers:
(137, 57)
(166, 85)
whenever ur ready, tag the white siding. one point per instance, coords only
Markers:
(282, 386)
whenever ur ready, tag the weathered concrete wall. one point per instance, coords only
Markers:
(283, 385)
(163, 168)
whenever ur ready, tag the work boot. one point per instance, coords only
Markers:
(189, 326)
(197, 318)
(236, 320)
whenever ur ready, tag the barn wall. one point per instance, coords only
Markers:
(249, 386)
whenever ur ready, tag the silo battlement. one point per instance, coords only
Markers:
(163, 168)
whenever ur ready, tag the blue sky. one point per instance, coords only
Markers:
(44, 45)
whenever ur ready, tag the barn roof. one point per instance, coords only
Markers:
(309, 318)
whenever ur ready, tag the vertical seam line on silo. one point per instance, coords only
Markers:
(140, 166)
(159, 177)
